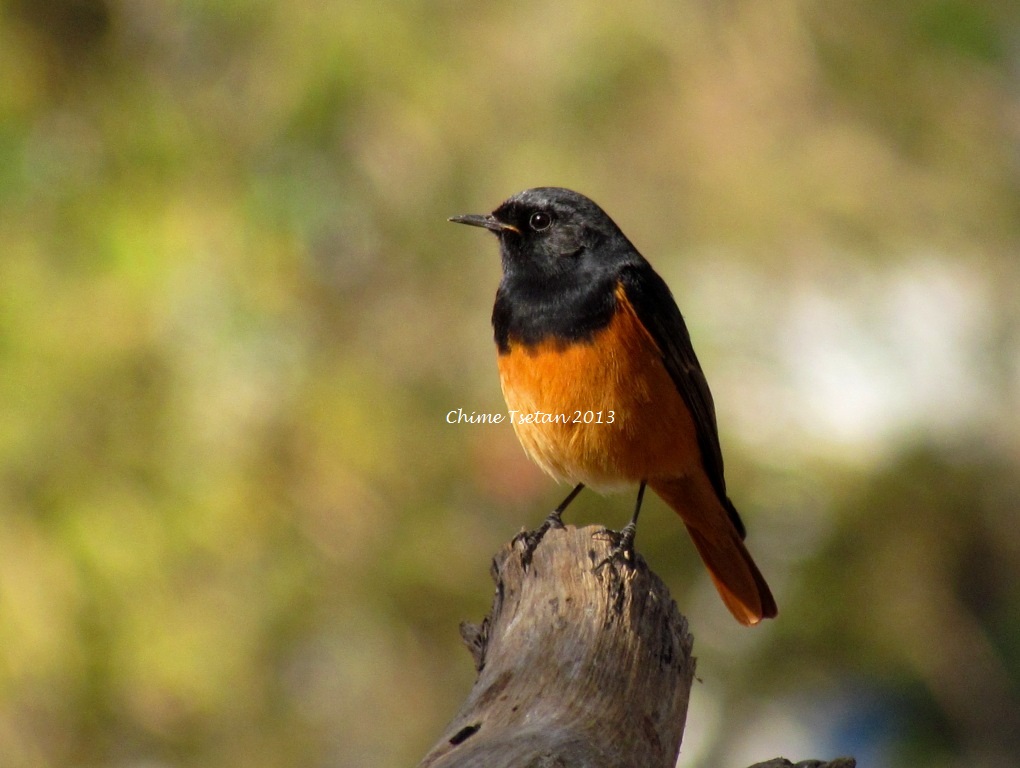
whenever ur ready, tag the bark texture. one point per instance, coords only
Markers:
(582, 663)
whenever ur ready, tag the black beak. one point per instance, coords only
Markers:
(487, 221)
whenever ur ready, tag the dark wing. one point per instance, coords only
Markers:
(659, 314)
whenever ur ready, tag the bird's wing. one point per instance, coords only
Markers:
(655, 307)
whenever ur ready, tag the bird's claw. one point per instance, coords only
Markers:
(531, 539)
(622, 550)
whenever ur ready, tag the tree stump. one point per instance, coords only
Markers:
(579, 666)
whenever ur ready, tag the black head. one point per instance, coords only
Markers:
(563, 259)
(549, 232)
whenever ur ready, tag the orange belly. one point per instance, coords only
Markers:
(646, 430)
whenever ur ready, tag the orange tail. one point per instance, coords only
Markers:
(740, 583)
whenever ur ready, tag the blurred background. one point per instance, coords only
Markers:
(235, 527)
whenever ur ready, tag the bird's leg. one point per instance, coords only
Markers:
(554, 520)
(623, 548)
(626, 545)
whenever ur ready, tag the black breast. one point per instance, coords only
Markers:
(531, 312)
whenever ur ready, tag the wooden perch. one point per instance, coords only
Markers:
(578, 666)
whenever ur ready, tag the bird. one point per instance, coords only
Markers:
(600, 378)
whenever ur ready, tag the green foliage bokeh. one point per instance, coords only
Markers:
(235, 528)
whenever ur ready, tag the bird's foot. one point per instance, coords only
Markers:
(531, 539)
(622, 550)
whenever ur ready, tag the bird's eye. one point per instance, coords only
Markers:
(540, 220)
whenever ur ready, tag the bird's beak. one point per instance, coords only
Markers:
(487, 221)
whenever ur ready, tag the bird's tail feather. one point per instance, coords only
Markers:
(740, 584)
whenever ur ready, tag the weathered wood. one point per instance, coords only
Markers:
(578, 666)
